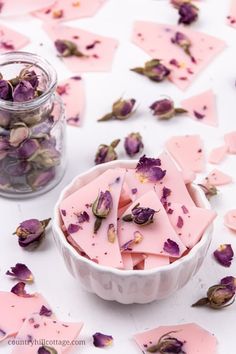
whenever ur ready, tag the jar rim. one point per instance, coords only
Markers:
(37, 60)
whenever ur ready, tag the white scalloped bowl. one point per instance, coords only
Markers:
(129, 286)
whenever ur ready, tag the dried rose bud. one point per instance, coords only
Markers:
(149, 170)
(19, 290)
(102, 340)
(188, 13)
(31, 232)
(18, 168)
(39, 178)
(5, 90)
(44, 311)
(229, 281)
(154, 70)
(209, 190)
(224, 255)
(140, 216)
(21, 272)
(46, 158)
(23, 92)
(111, 233)
(18, 134)
(218, 296)
(106, 153)
(4, 147)
(167, 344)
(31, 76)
(67, 48)
(101, 208)
(164, 109)
(46, 350)
(183, 42)
(133, 144)
(121, 110)
(171, 247)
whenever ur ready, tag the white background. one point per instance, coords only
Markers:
(64, 294)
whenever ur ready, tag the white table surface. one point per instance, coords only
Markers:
(64, 294)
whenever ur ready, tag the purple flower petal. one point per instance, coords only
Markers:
(134, 190)
(21, 272)
(44, 311)
(185, 210)
(63, 211)
(180, 222)
(72, 228)
(224, 255)
(198, 115)
(83, 217)
(148, 169)
(19, 290)
(171, 247)
(102, 340)
(229, 281)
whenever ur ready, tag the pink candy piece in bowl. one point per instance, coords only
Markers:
(128, 286)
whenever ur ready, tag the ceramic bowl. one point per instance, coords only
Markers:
(129, 286)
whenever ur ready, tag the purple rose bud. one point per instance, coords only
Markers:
(46, 158)
(140, 216)
(19, 290)
(224, 255)
(23, 92)
(102, 205)
(67, 48)
(44, 311)
(167, 345)
(188, 13)
(154, 70)
(164, 109)
(46, 350)
(148, 169)
(28, 148)
(40, 178)
(4, 147)
(21, 272)
(171, 247)
(31, 77)
(121, 110)
(18, 134)
(102, 340)
(229, 281)
(31, 232)
(133, 144)
(106, 153)
(5, 90)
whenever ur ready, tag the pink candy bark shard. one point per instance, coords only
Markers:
(230, 141)
(196, 339)
(11, 40)
(14, 309)
(217, 178)
(230, 219)
(154, 235)
(39, 328)
(218, 154)
(99, 50)
(96, 246)
(154, 261)
(156, 40)
(231, 18)
(127, 261)
(16, 8)
(73, 97)
(172, 180)
(185, 222)
(202, 108)
(187, 151)
(64, 10)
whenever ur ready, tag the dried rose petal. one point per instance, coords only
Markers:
(167, 344)
(19, 290)
(180, 222)
(23, 92)
(21, 272)
(133, 144)
(102, 340)
(73, 228)
(31, 232)
(121, 110)
(82, 217)
(224, 255)
(46, 350)
(171, 247)
(154, 70)
(106, 153)
(149, 169)
(166, 192)
(229, 281)
(44, 311)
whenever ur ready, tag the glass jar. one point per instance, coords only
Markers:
(32, 131)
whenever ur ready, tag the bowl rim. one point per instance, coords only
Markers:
(124, 272)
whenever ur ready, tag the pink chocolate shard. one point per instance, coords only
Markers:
(218, 154)
(155, 39)
(40, 329)
(188, 176)
(230, 219)
(217, 178)
(64, 10)
(154, 261)
(196, 339)
(96, 246)
(172, 180)
(99, 50)
(14, 309)
(202, 108)
(127, 261)
(137, 258)
(231, 18)
(73, 97)
(149, 242)
(187, 150)
(185, 222)
(230, 141)
(11, 40)
(16, 8)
